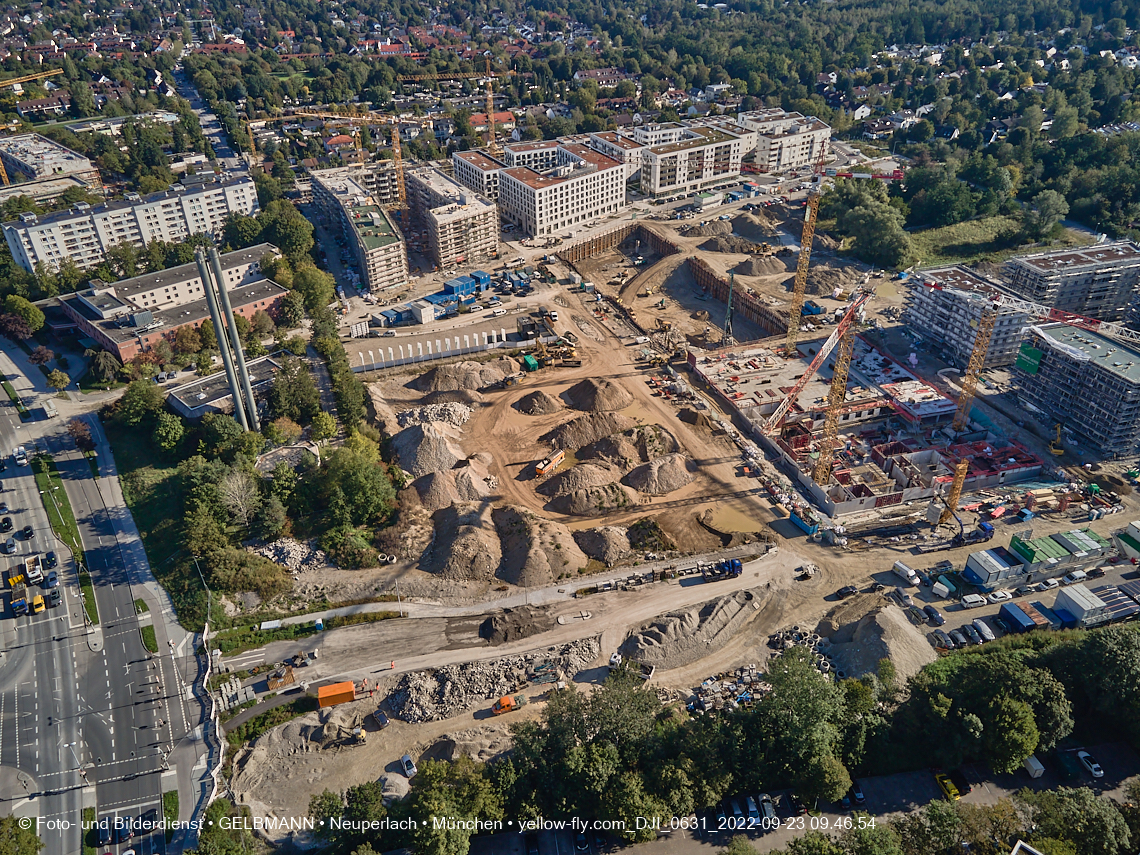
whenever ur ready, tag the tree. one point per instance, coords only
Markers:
(58, 380)
(241, 230)
(187, 340)
(317, 287)
(14, 304)
(879, 235)
(292, 309)
(323, 807)
(935, 828)
(739, 845)
(294, 393)
(284, 431)
(41, 356)
(240, 495)
(285, 228)
(271, 518)
(324, 426)
(15, 839)
(1011, 735)
(1089, 821)
(262, 325)
(168, 431)
(80, 432)
(14, 327)
(105, 366)
(142, 401)
(1045, 210)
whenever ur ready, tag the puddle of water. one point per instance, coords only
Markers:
(570, 460)
(729, 519)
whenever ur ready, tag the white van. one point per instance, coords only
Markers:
(499, 312)
(973, 601)
(1033, 766)
(1075, 577)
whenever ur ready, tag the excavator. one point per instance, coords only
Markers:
(1055, 447)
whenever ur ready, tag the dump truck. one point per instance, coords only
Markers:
(33, 570)
(19, 592)
(548, 464)
(508, 703)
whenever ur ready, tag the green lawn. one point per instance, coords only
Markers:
(89, 604)
(170, 811)
(57, 505)
(150, 642)
(990, 239)
(89, 838)
(15, 399)
(141, 607)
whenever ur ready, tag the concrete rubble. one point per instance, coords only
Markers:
(294, 554)
(453, 413)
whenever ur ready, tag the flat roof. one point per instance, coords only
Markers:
(1107, 353)
(704, 136)
(373, 226)
(538, 145)
(619, 140)
(531, 178)
(44, 156)
(1098, 255)
(215, 387)
(957, 277)
(43, 188)
(479, 160)
(125, 289)
(588, 154)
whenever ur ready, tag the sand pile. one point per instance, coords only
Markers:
(682, 637)
(693, 417)
(663, 475)
(597, 500)
(586, 429)
(653, 441)
(481, 744)
(579, 477)
(385, 413)
(465, 546)
(728, 243)
(534, 551)
(436, 490)
(538, 403)
(754, 226)
(608, 544)
(823, 280)
(454, 414)
(455, 396)
(431, 447)
(593, 396)
(884, 633)
(473, 480)
(618, 450)
(466, 375)
(515, 624)
(716, 227)
(761, 266)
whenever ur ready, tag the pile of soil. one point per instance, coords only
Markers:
(593, 396)
(693, 417)
(754, 226)
(608, 544)
(481, 744)
(538, 403)
(515, 624)
(586, 429)
(716, 227)
(473, 480)
(590, 501)
(455, 396)
(662, 475)
(618, 450)
(680, 638)
(761, 266)
(534, 551)
(466, 545)
(423, 449)
(579, 477)
(700, 315)
(824, 279)
(466, 375)
(729, 243)
(436, 490)
(884, 633)
(452, 413)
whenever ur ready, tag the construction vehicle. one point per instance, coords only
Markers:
(730, 568)
(981, 534)
(508, 703)
(33, 570)
(1055, 447)
(664, 325)
(549, 464)
(19, 592)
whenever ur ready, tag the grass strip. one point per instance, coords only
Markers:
(20, 408)
(150, 641)
(57, 505)
(89, 597)
(87, 831)
(141, 608)
(170, 811)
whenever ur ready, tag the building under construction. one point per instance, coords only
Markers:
(894, 443)
(1098, 281)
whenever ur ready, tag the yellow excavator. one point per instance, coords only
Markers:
(1055, 447)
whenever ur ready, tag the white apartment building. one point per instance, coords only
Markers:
(462, 227)
(703, 157)
(378, 178)
(583, 186)
(659, 134)
(477, 170)
(376, 241)
(539, 156)
(786, 140)
(84, 233)
(620, 148)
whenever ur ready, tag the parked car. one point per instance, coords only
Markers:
(52, 580)
(380, 719)
(1000, 623)
(857, 793)
(958, 639)
(581, 842)
(795, 806)
(1048, 585)
(10, 545)
(999, 597)
(103, 831)
(28, 532)
(934, 615)
(3, 507)
(971, 633)
(943, 640)
(1097, 573)
(983, 629)
(845, 802)
(1090, 764)
(50, 559)
(903, 597)
(847, 591)
(1024, 591)
(408, 765)
(6, 524)
(947, 787)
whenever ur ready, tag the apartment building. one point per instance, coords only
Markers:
(1088, 383)
(1099, 281)
(539, 156)
(621, 148)
(661, 133)
(786, 140)
(379, 178)
(133, 315)
(945, 305)
(32, 157)
(85, 233)
(376, 242)
(479, 171)
(703, 157)
(583, 186)
(462, 227)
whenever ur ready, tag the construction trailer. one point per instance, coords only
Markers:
(336, 693)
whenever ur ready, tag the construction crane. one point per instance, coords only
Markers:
(492, 140)
(778, 415)
(796, 308)
(951, 500)
(28, 78)
(977, 361)
(1044, 313)
(835, 398)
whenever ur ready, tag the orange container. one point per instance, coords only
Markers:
(337, 693)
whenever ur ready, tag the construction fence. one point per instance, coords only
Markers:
(615, 237)
(744, 304)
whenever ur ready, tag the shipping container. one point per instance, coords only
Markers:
(1017, 619)
(336, 693)
(808, 527)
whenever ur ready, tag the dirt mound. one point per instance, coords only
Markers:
(466, 546)
(473, 482)
(761, 266)
(427, 448)
(729, 243)
(608, 544)
(716, 227)
(538, 403)
(693, 417)
(597, 500)
(884, 633)
(582, 476)
(481, 744)
(515, 624)
(618, 450)
(455, 396)
(534, 551)
(823, 280)
(586, 429)
(755, 226)
(466, 375)
(663, 475)
(436, 490)
(680, 638)
(593, 396)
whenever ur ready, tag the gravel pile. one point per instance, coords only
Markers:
(455, 396)
(538, 403)
(449, 691)
(885, 633)
(454, 414)
(618, 450)
(755, 226)
(535, 551)
(473, 482)
(465, 547)
(822, 281)
(608, 544)
(423, 449)
(294, 554)
(663, 475)
(590, 501)
(586, 429)
(436, 490)
(578, 477)
(466, 375)
(729, 243)
(761, 266)
(594, 396)
(716, 227)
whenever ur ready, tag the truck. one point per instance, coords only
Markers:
(644, 670)
(906, 573)
(1033, 766)
(49, 408)
(33, 570)
(19, 592)
(727, 569)
(508, 703)
(548, 464)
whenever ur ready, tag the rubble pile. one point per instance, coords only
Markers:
(426, 448)
(294, 554)
(739, 688)
(449, 691)
(454, 414)
(582, 476)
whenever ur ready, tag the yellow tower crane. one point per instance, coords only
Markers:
(492, 140)
(955, 491)
(977, 361)
(13, 81)
(835, 398)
